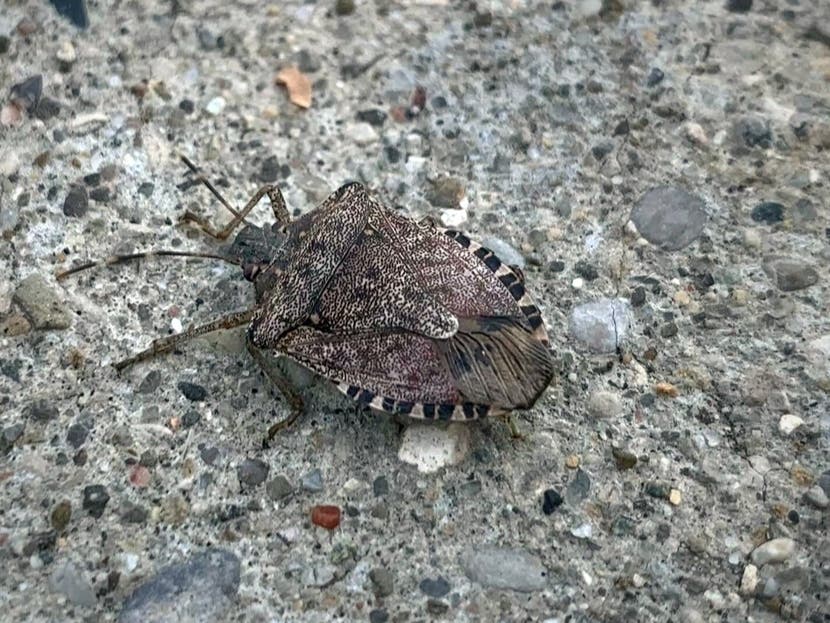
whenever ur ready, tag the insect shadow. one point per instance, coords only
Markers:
(404, 317)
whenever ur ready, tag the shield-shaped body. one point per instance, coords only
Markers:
(405, 317)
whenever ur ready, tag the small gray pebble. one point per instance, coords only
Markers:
(313, 481)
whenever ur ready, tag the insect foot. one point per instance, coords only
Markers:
(404, 317)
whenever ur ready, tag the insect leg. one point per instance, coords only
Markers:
(168, 343)
(274, 195)
(278, 378)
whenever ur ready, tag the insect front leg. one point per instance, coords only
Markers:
(283, 384)
(278, 207)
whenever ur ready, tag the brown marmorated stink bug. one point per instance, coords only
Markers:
(404, 317)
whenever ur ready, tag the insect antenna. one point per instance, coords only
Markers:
(122, 259)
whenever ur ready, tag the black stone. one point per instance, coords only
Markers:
(100, 195)
(47, 108)
(378, 615)
(4, 44)
(373, 116)
(42, 411)
(95, 500)
(754, 132)
(380, 486)
(26, 94)
(655, 77)
(76, 202)
(638, 296)
(133, 513)
(622, 128)
(768, 212)
(187, 106)
(551, 500)
(93, 179)
(556, 266)
(191, 418)
(73, 10)
(586, 270)
(344, 7)
(738, 6)
(146, 189)
(209, 455)
(76, 435)
(269, 170)
(434, 588)
(668, 330)
(602, 150)
(191, 391)
(393, 154)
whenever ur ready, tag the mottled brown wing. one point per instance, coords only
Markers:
(401, 366)
(314, 247)
(375, 289)
(497, 361)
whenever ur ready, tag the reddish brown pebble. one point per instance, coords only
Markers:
(139, 476)
(327, 517)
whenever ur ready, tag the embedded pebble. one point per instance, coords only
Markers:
(278, 487)
(313, 481)
(252, 472)
(603, 404)
(816, 496)
(505, 251)
(669, 217)
(362, 133)
(40, 302)
(504, 568)
(68, 580)
(215, 106)
(429, 447)
(790, 274)
(76, 202)
(749, 580)
(202, 588)
(789, 423)
(583, 531)
(600, 325)
(95, 500)
(776, 550)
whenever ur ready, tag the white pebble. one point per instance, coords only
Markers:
(453, 218)
(585, 531)
(429, 448)
(362, 133)
(696, 133)
(749, 580)
(776, 550)
(176, 325)
(788, 423)
(578, 283)
(66, 53)
(817, 497)
(216, 105)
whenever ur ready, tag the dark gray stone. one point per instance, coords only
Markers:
(383, 582)
(192, 391)
(76, 435)
(278, 487)
(252, 472)
(790, 274)
(669, 217)
(435, 588)
(95, 500)
(41, 410)
(76, 203)
(202, 588)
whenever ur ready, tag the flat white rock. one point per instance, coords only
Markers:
(776, 550)
(429, 447)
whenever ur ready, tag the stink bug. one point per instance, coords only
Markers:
(404, 317)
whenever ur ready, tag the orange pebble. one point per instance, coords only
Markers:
(326, 516)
